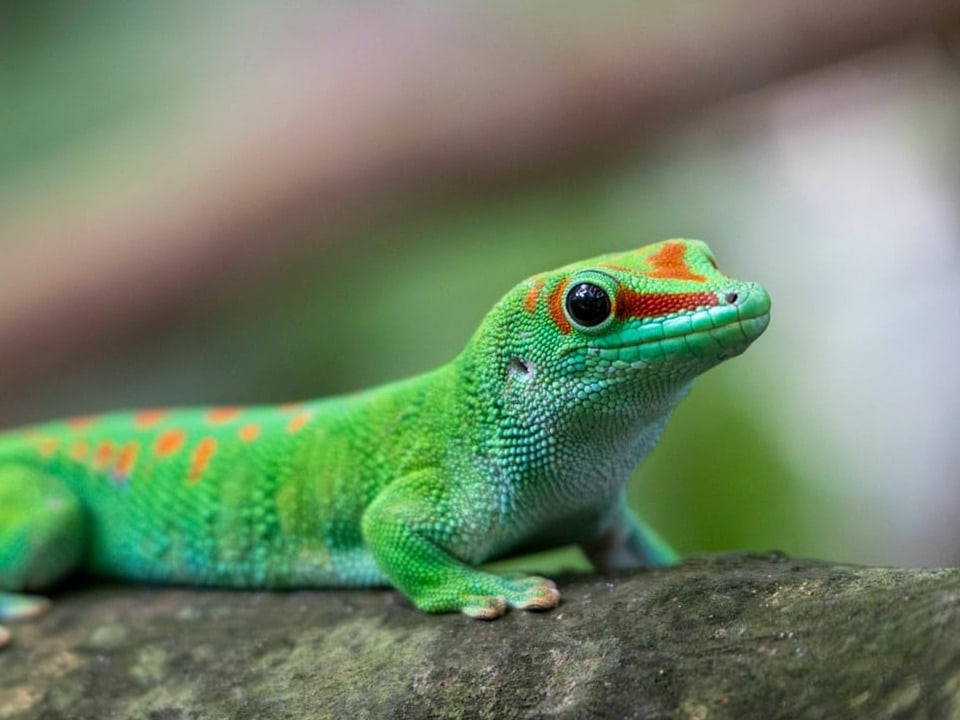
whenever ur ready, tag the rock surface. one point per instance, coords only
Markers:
(720, 636)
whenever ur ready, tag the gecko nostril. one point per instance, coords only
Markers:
(731, 297)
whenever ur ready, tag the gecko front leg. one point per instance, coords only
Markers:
(408, 533)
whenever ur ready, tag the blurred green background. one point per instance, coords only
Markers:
(121, 124)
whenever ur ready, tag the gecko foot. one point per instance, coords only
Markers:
(14, 606)
(522, 592)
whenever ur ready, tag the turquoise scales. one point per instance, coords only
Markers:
(524, 441)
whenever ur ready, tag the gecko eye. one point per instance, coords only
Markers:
(588, 304)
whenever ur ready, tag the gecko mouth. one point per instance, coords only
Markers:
(717, 331)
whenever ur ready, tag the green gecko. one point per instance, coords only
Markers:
(524, 441)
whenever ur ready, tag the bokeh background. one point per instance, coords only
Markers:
(238, 202)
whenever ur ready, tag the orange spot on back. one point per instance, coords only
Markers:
(149, 418)
(169, 442)
(201, 458)
(127, 458)
(81, 421)
(249, 432)
(103, 455)
(217, 416)
(79, 449)
(47, 446)
(669, 264)
(299, 420)
(288, 407)
(555, 305)
(533, 294)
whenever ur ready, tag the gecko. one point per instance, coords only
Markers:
(524, 441)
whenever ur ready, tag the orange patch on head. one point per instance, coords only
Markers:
(169, 442)
(127, 459)
(201, 458)
(668, 263)
(81, 421)
(249, 433)
(217, 416)
(299, 420)
(555, 305)
(79, 449)
(533, 294)
(149, 418)
(103, 455)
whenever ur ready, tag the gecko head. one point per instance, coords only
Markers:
(639, 324)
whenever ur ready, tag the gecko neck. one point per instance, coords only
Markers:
(539, 431)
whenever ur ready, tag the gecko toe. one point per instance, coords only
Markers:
(14, 606)
(488, 607)
(548, 598)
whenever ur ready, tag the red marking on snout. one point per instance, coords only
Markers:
(647, 305)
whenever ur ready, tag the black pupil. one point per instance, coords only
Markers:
(588, 304)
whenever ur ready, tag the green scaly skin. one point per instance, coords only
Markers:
(524, 441)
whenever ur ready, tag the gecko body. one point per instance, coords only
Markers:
(524, 441)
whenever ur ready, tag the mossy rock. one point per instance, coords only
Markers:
(720, 636)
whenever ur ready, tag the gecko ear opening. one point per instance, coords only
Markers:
(519, 366)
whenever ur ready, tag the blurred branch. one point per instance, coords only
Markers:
(377, 108)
